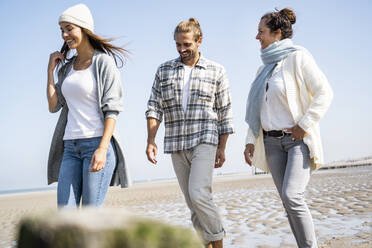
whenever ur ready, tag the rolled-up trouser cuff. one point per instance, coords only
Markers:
(208, 237)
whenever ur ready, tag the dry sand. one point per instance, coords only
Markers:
(340, 201)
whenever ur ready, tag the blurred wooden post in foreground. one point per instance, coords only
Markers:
(96, 228)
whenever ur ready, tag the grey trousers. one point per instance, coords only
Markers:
(194, 170)
(290, 167)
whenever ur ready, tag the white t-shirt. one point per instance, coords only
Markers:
(275, 112)
(186, 86)
(80, 91)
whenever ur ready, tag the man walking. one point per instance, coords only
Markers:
(193, 95)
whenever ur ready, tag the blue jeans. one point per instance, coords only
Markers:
(290, 167)
(76, 182)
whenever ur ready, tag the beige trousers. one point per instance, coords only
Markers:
(194, 170)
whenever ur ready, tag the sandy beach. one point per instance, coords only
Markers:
(340, 201)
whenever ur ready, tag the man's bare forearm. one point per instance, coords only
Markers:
(222, 140)
(152, 128)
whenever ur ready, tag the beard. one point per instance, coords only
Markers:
(190, 55)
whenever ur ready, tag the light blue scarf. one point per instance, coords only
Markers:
(270, 56)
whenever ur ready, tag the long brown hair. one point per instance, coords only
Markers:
(102, 45)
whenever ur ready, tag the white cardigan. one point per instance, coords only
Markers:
(309, 95)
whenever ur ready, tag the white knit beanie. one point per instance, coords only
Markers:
(80, 15)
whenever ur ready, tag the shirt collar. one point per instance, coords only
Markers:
(202, 63)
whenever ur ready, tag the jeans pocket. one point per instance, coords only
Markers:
(68, 144)
(89, 146)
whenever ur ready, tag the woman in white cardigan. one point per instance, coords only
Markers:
(285, 104)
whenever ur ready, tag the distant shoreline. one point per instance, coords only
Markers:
(330, 166)
(32, 190)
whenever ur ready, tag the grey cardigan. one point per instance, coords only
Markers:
(110, 103)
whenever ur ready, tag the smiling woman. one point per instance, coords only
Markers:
(287, 99)
(85, 156)
(74, 31)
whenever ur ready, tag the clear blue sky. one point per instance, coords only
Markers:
(337, 33)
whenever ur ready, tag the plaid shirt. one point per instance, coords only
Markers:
(208, 113)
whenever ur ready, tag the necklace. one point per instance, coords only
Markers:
(82, 64)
